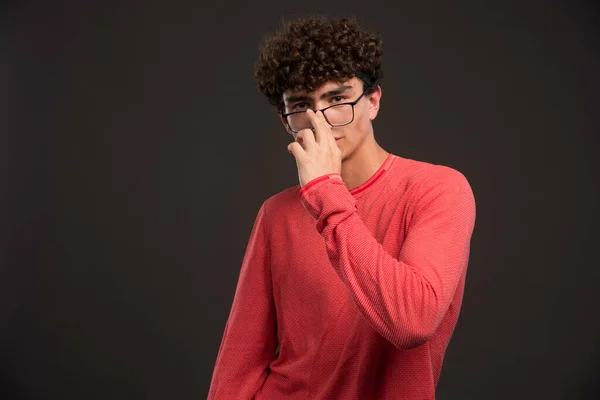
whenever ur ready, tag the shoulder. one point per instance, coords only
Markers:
(282, 202)
(433, 187)
(423, 176)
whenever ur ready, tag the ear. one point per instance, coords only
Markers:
(285, 125)
(374, 101)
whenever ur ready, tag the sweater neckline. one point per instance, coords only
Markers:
(375, 177)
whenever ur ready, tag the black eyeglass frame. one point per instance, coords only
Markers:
(351, 103)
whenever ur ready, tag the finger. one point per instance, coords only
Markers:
(296, 150)
(322, 129)
(307, 137)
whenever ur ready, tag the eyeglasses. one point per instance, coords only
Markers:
(335, 115)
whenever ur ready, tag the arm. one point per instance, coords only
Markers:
(250, 336)
(403, 299)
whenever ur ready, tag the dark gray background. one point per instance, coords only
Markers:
(135, 152)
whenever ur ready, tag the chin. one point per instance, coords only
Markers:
(348, 153)
(345, 156)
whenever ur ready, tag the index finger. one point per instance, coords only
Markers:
(321, 127)
(306, 135)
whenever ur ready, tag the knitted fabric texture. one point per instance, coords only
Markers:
(359, 289)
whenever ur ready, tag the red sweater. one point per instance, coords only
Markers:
(361, 289)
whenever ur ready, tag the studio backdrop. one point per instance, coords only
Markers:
(135, 152)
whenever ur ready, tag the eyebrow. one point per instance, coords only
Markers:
(334, 92)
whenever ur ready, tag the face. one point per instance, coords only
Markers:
(349, 138)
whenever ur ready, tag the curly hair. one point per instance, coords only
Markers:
(307, 53)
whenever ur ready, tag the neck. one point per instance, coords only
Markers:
(359, 166)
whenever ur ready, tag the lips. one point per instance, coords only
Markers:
(337, 138)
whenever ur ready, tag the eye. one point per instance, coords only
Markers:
(299, 106)
(337, 99)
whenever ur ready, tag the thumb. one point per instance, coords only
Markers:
(296, 150)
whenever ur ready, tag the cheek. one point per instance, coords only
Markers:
(360, 117)
(359, 128)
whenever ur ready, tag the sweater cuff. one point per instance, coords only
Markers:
(326, 196)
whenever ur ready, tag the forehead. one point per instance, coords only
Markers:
(326, 87)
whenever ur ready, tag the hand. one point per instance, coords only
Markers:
(319, 154)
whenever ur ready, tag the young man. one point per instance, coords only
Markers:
(352, 281)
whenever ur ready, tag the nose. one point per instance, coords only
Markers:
(319, 106)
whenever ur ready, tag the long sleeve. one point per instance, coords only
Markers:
(405, 298)
(250, 337)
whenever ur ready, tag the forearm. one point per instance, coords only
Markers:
(250, 337)
(405, 298)
(241, 365)
(399, 302)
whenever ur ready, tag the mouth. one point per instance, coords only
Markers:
(337, 138)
